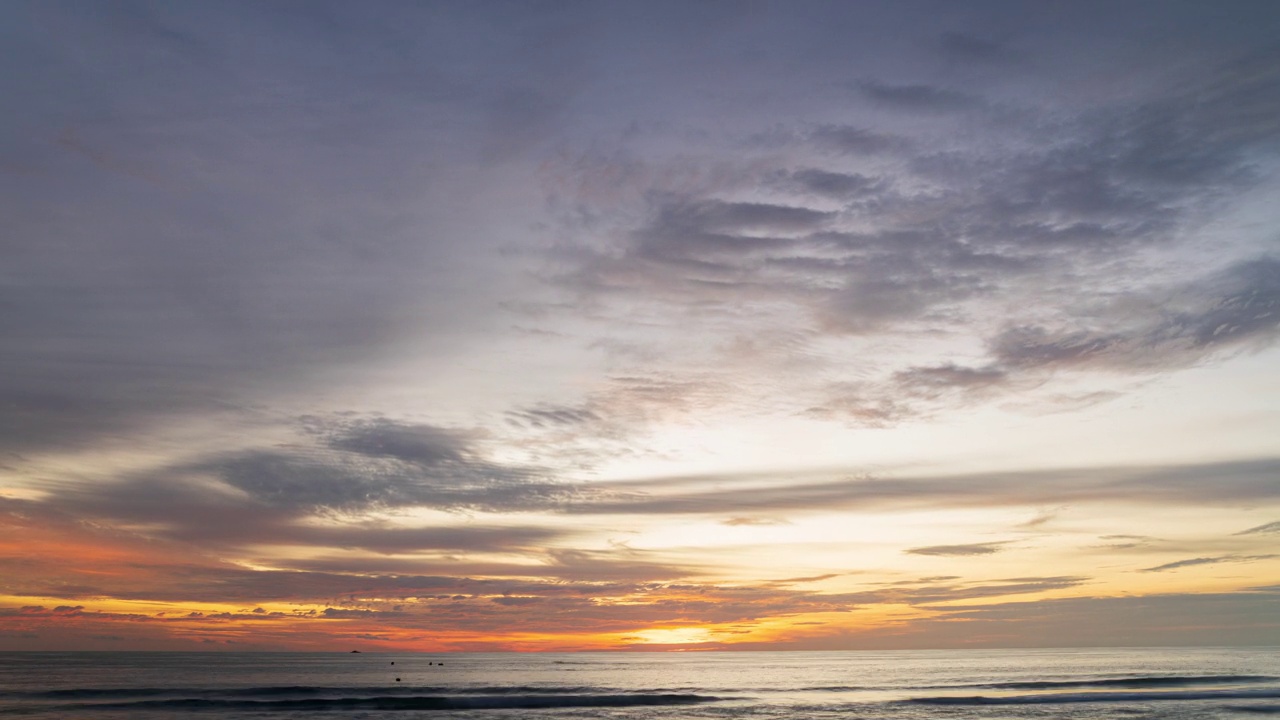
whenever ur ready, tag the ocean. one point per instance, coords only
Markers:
(1079, 684)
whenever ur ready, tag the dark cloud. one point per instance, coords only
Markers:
(836, 185)
(964, 47)
(918, 98)
(718, 216)
(231, 240)
(988, 548)
(273, 497)
(949, 376)
(415, 443)
(849, 140)
(339, 482)
(365, 464)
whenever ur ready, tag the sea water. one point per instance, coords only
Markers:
(1080, 684)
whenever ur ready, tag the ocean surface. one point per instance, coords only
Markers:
(979, 684)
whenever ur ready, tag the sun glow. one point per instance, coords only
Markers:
(675, 636)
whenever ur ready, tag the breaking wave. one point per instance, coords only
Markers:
(1097, 697)
(411, 702)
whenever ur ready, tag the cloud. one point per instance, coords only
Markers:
(959, 550)
(850, 140)
(1233, 482)
(835, 185)
(933, 591)
(753, 521)
(940, 239)
(918, 98)
(964, 47)
(527, 274)
(543, 416)
(1245, 618)
(211, 284)
(1192, 562)
(1271, 527)
(1172, 327)
(273, 499)
(379, 437)
(1152, 330)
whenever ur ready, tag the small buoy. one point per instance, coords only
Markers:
(393, 662)
(397, 679)
(431, 663)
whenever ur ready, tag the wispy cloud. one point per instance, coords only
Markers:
(1192, 562)
(988, 548)
(1266, 528)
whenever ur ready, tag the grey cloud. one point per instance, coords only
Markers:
(836, 185)
(958, 550)
(719, 216)
(964, 226)
(931, 591)
(1271, 527)
(582, 565)
(948, 376)
(341, 482)
(578, 571)
(245, 219)
(1192, 562)
(918, 98)
(553, 416)
(1186, 619)
(614, 419)
(196, 517)
(849, 140)
(1246, 618)
(1044, 517)
(1237, 306)
(258, 497)
(1141, 331)
(1194, 484)
(416, 443)
(753, 521)
(964, 47)
(876, 295)
(911, 393)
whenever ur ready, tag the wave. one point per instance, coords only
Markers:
(414, 702)
(1057, 698)
(1132, 682)
(305, 690)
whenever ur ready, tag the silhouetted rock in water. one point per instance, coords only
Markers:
(393, 662)
(397, 679)
(355, 651)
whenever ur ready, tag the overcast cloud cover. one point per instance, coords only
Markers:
(605, 324)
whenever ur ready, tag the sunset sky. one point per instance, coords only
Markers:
(639, 325)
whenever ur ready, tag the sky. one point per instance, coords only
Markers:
(451, 326)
